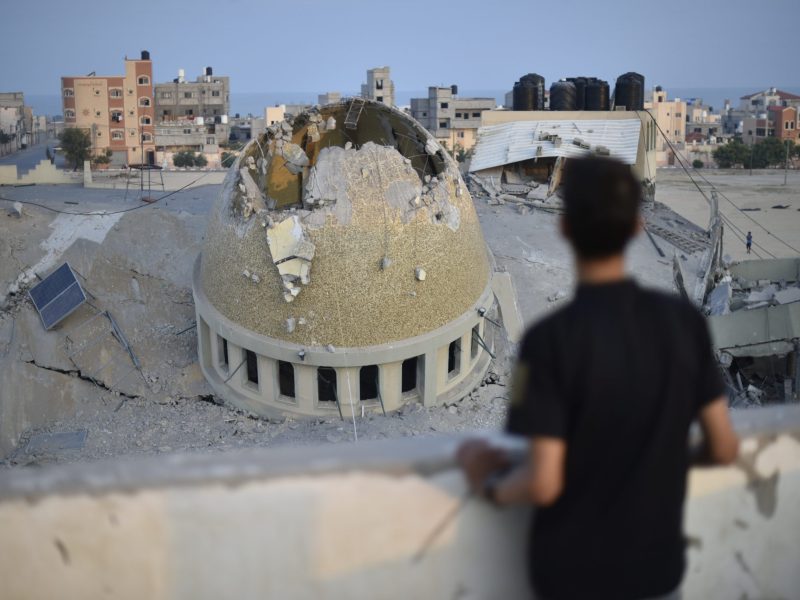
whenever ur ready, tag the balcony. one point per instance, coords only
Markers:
(346, 521)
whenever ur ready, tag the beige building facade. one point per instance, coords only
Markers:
(117, 111)
(453, 121)
(671, 118)
(379, 86)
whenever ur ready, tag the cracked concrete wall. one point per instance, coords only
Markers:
(376, 219)
(282, 524)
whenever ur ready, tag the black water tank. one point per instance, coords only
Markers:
(596, 95)
(454, 90)
(145, 55)
(529, 92)
(629, 91)
(580, 91)
(209, 72)
(562, 96)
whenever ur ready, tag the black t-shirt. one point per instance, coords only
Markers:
(619, 373)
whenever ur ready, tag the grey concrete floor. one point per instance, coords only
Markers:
(27, 159)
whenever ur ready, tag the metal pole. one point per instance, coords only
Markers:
(786, 162)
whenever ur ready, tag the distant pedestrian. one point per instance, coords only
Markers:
(749, 241)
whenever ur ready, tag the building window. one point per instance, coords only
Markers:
(252, 367)
(379, 99)
(187, 131)
(69, 92)
(476, 115)
(443, 124)
(458, 115)
(69, 114)
(409, 379)
(147, 137)
(215, 93)
(454, 358)
(326, 384)
(144, 101)
(286, 379)
(444, 105)
(188, 111)
(117, 134)
(210, 141)
(461, 134)
(143, 80)
(166, 112)
(116, 116)
(223, 344)
(424, 114)
(379, 84)
(188, 94)
(166, 94)
(368, 382)
(145, 120)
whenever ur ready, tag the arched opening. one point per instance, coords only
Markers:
(286, 385)
(409, 383)
(326, 384)
(369, 384)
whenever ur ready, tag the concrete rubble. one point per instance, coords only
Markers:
(754, 317)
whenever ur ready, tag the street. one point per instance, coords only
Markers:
(27, 159)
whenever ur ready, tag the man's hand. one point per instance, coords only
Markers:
(478, 459)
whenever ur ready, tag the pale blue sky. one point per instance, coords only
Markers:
(315, 45)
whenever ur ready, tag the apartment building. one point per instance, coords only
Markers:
(117, 110)
(452, 120)
(329, 98)
(207, 97)
(777, 121)
(671, 118)
(379, 86)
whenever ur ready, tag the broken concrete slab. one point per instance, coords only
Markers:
(719, 300)
(788, 295)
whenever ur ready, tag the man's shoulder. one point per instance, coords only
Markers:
(543, 328)
(671, 305)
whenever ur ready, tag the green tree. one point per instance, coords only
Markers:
(228, 158)
(732, 154)
(697, 163)
(187, 158)
(76, 145)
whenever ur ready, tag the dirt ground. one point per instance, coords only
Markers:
(137, 265)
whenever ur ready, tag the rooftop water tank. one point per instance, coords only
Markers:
(563, 95)
(529, 92)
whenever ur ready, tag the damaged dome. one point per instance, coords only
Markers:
(348, 226)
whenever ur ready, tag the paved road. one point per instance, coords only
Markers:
(27, 159)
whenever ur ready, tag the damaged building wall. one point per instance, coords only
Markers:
(372, 215)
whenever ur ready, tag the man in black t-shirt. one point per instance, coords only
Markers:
(605, 390)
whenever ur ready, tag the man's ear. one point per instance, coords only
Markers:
(563, 227)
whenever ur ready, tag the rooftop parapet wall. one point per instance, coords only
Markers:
(346, 522)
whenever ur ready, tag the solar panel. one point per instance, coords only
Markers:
(57, 296)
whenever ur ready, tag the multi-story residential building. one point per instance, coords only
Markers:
(329, 98)
(753, 107)
(777, 121)
(117, 110)
(207, 97)
(13, 122)
(453, 121)
(177, 136)
(379, 86)
(670, 116)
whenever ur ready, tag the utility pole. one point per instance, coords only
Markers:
(786, 162)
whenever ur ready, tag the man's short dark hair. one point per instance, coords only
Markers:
(601, 200)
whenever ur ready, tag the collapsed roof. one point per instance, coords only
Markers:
(347, 225)
(517, 141)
